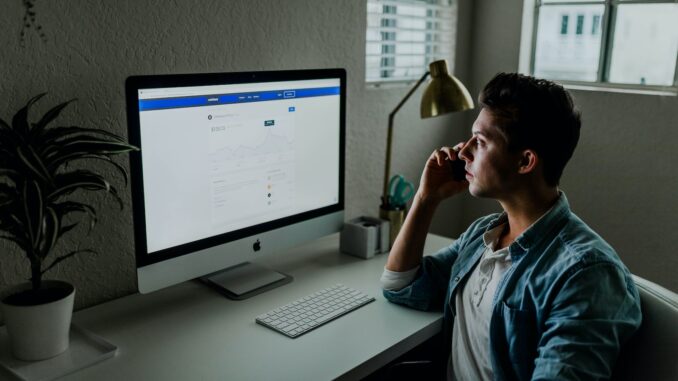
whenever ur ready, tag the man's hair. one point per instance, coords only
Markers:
(534, 114)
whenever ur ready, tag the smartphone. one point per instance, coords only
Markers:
(458, 169)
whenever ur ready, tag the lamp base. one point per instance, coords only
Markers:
(395, 217)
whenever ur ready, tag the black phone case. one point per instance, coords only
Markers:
(458, 170)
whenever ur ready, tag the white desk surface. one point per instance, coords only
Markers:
(190, 332)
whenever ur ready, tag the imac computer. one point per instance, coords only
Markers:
(232, 167)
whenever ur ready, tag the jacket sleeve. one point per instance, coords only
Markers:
(427, 290)
(593, 314)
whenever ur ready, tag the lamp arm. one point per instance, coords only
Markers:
(389, 137)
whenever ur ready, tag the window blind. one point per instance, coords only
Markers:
(404, 36)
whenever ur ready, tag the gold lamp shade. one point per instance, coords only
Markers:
(444, 94)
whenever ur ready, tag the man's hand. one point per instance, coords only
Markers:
(436, 185)
(436, 182)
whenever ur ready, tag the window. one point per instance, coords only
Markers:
(404, 36)
(595, 25)
(628, 43)
(580, 24)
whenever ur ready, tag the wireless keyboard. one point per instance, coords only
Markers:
(296, 318)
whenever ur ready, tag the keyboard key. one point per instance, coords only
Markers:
(312, 311)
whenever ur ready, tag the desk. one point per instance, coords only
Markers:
(190, 332)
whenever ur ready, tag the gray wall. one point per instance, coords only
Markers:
(623, 177)
(619, 180)
(92, 46)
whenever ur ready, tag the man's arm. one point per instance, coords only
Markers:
(429, 285)
(408, 247)
(436, 185)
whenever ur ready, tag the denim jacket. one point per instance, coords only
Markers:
(561, 312)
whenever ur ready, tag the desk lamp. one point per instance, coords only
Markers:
(443, 95)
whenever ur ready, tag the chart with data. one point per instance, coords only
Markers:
(252, 165)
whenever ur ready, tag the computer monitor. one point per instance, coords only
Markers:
(232, 167)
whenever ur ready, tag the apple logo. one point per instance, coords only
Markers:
(256, 246)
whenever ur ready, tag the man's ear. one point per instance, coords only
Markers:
(528, 162)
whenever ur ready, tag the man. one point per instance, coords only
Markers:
(532, 293)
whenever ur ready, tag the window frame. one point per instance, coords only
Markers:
(528, 47)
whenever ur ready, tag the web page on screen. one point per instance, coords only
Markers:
(221, 158)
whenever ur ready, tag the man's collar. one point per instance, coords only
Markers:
(539, 228)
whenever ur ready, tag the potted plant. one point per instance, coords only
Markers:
(40, 170)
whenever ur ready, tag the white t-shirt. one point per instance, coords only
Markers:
(470, 356)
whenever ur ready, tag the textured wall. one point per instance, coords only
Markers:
(92, 46)
(622, 179)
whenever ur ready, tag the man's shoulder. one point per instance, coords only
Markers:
(576, 247)
(576, 260)
(584, 243)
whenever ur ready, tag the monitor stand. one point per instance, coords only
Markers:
(245, 280)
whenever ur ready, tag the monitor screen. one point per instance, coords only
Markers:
(232, 166)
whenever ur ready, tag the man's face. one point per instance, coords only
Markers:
(491, 170)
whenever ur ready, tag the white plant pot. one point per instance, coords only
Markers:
(38, 332)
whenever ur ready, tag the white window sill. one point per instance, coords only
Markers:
(671, 92)
(405, 83)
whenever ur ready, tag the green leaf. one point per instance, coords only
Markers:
(12, 225)
(96, 146)
(33, 162)
(114, 192)
(66, 207)
(66, 228)
(7, 154)
(81, 149)
(8, 172)
(59, 134)
(5, 202)
(16, 221)
(7, 135)
(99, 147)
(73, 186)
(4, 125)
(33, 179)
(120, 168)
(9, 220)
(20, 119)
(21, 243)
(48, 117)
(79, 176)
(82, 179)
(51, 226)
(9, 139)
(8, 192)
(65, 256)
(33, 210)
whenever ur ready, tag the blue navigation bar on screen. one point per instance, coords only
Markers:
(259, 96)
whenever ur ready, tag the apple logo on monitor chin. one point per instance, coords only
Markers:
(256, 246)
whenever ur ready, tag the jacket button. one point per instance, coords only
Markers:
(456, 279)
